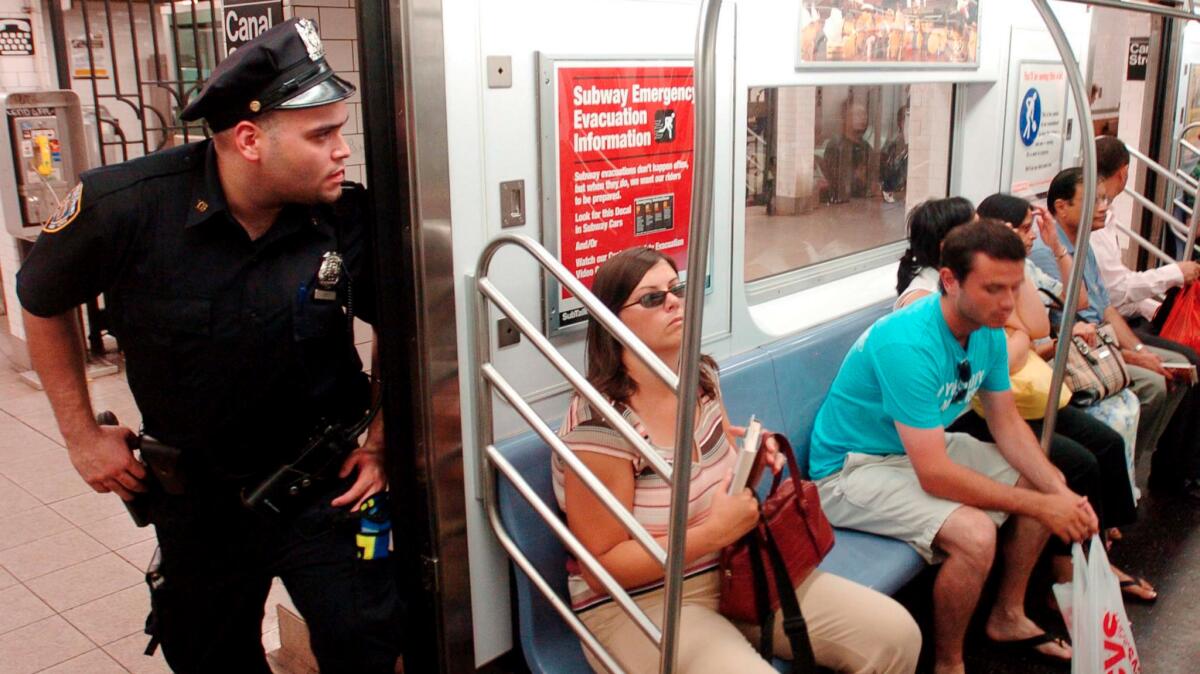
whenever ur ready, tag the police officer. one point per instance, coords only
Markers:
(231, 269)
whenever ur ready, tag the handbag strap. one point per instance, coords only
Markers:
(762, 597)
(793, 467)
(794, 625)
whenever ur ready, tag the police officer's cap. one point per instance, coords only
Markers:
(282, 69)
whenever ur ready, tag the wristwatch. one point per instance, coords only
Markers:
(1139, 348)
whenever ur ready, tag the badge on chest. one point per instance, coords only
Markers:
(329, 274)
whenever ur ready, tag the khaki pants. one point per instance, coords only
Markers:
(882, 494)
(852, 628)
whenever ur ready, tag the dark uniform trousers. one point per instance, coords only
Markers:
(218, 560)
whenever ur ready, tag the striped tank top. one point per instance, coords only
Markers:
(584, 430)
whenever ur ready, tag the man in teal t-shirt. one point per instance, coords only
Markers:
(909, 368)
(884, 463)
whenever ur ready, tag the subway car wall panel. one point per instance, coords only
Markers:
(898, 194)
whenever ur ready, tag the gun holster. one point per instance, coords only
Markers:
(163, 474)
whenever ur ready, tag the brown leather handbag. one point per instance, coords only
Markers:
(759, 572)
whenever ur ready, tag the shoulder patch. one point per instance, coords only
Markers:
(67, 212)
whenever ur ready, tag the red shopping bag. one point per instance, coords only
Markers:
(1183, 323)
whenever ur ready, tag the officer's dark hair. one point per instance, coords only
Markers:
(989, 236)
(1005, 208)
(265, 121)
(614, 284)
(1063, 187)
(928, 223)
(1111, 156)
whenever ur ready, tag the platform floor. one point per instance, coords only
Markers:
(72, 594)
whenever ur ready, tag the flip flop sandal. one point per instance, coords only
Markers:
(1138, 581)
(1029, 646)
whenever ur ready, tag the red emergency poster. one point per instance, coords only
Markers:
(623, 153)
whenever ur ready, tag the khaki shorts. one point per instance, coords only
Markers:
(882, 495)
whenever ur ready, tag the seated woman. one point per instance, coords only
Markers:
(928, 224)
(852, 628)
(1105, 473)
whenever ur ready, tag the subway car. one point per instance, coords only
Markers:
(774, 150)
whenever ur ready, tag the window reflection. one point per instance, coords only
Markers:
(831, 171)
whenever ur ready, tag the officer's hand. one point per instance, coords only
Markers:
(371, 479)
(106, 462)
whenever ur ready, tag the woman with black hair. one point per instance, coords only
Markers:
(928, 224)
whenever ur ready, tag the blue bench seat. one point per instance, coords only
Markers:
(783, 383)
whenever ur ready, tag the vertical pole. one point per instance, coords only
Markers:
(1087, 137)
(704, 140)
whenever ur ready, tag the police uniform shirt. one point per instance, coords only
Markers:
(228, 352)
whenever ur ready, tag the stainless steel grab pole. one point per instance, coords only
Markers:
(1087, 137)
(704, 141)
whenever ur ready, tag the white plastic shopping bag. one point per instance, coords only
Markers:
(1094, 611)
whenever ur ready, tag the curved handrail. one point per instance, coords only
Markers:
(595, 307)
(1088, 141)
(1161, 170)
(1160, 10)
(492, 382)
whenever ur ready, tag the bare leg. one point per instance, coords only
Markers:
(1061, 569)
(1024, 538)
(968, 538)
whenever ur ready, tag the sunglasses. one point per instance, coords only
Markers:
(964, 377)
(655, 299)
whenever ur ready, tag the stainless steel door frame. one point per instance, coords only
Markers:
(404, 114)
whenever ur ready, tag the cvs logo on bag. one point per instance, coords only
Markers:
(1119, 659)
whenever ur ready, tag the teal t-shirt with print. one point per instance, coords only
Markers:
(904, 368)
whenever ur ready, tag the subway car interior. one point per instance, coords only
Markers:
(775, 152)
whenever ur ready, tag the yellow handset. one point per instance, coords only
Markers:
(44, 163)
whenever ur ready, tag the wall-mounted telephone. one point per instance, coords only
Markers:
(46, 151)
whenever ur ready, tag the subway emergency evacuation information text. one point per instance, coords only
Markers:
(625, 166)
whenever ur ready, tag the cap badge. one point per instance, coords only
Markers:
(312, 41)
(255, 106)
